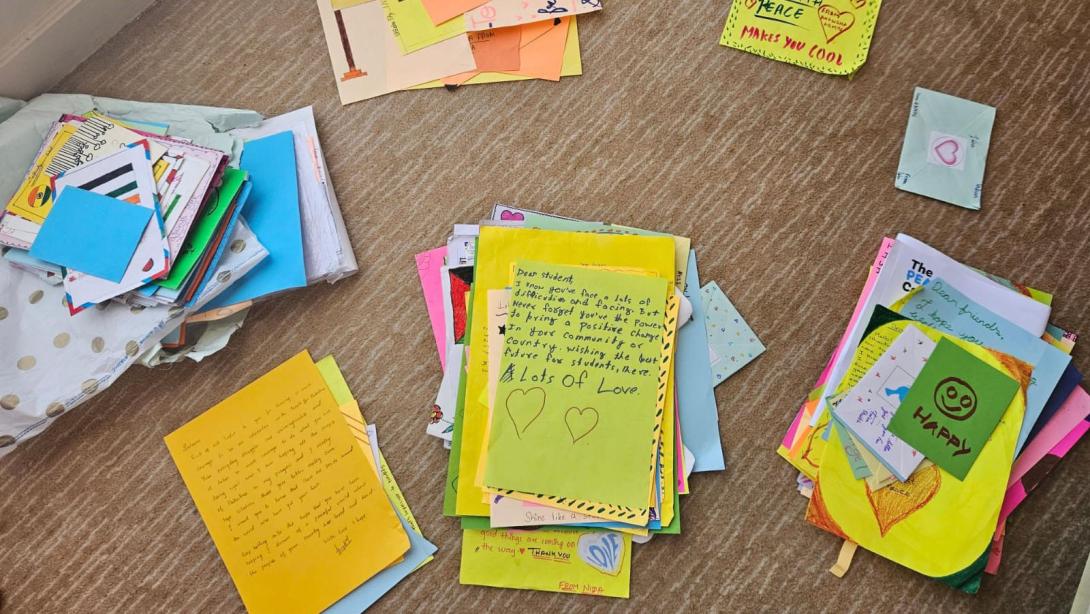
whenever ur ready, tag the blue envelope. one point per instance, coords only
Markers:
(91, 233)
(696, 406)
(945, 148)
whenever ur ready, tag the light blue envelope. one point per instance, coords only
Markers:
(91, 233)
(945, 148)
(732, 343)
(941, 306)
(273, 214)
(695, 390)
(378, 585)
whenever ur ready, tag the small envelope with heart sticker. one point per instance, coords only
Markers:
(945, 149)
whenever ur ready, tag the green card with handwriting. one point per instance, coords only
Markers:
(576, 413)
(953, 407)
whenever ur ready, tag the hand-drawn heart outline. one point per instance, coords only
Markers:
(944, 145)
(524, 411)
(583, 432)
(512, 216)
(751, 3)
(833, 20)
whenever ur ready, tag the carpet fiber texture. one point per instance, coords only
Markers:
(782, 177)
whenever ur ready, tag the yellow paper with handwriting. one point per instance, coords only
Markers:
(297, 515)
(497, 248)
(414, 29)
(827, 36)
(585, 561)
(933, 523)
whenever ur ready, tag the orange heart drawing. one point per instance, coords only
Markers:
(751, 3)
(834, 22)
(898, 501)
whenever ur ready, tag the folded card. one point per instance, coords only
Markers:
(945, 148)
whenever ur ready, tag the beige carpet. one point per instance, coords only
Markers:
(784, 180)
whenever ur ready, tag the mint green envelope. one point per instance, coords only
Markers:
(946, 147)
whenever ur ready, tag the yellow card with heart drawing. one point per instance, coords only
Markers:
(827, 36)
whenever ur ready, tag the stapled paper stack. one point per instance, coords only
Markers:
(948, 399)
(155, 245)
(577, 396)
(382, 46)
(296, 495)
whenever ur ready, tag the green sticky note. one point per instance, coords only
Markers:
(204, 228)
(953, 407)
(576, 411)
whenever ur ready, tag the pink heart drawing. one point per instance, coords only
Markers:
(512, 216)
(947, 151)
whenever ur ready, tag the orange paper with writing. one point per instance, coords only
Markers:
(541, 52)
(294, 509)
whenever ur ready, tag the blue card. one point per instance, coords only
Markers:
(272, 212)
(732, 344)
(378, 585)
(91, 233)
(695, 390)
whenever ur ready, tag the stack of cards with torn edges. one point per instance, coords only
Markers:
(297, 497)
(122, 212)
(382, 46)
(577, 396)
(948, 399)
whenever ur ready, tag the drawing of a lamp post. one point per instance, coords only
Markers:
(338, 6)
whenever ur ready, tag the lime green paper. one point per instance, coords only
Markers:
(952, 408)
(576, 402)
(590, 562)
(414, 29)
(205, 227)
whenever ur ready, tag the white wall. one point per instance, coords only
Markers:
(41, 41)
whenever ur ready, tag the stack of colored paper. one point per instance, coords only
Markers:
(948, 399)
(577, 395)
(383, 46)
(168, 240)
(297, 497)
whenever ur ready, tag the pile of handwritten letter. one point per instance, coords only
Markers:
(947, 401)
(288, 477)
(579, 366)
(382, 46)
(144, 238)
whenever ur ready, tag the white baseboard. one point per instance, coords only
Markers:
(41, 41)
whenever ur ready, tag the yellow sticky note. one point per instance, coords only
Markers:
(827, 36)
(585, 561)
(295, 511)
(497, 248)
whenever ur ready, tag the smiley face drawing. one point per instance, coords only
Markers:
(955, 398)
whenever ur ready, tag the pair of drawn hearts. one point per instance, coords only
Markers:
(947, 151)
(512, 216)
(834, 22)
(896, 502)
(602, 551)
(524, 407)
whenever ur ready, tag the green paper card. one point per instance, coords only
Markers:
(218, 205)
(576, 405)
(953, 407)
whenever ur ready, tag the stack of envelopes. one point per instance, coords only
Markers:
(577, 395)
(382, 46)
(288, 478)
(168, 240)
(948, 399)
